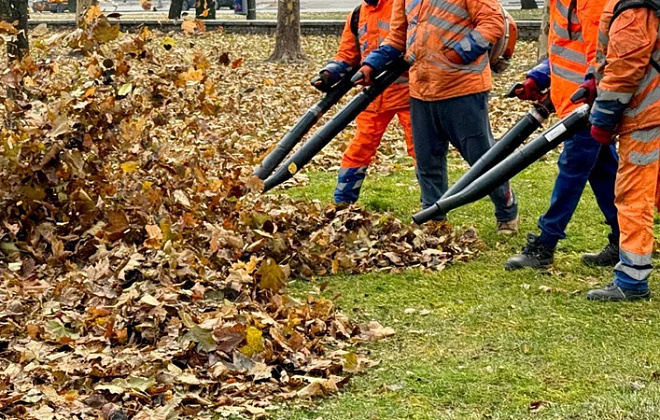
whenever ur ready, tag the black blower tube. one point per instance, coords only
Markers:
(333, 127)
(302, 127)
(509, 167)
(509, 142)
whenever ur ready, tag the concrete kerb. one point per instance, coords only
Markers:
(527, 29)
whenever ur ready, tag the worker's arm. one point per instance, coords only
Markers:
(541, 74)
(633, 36)
(394, 45)
(489, 28)
(348, 51)
(348, 55)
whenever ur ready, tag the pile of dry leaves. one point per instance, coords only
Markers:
(138, 268)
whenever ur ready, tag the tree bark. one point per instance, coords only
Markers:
(287, 35)
(81, 9)
(16, 11)
(176, 7)
(529, 4)
(545, 29)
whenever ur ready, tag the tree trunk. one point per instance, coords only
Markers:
(81, 9)
(545, 29)
(12, 11)
(529, 4)
(287, 36)
(176, 7)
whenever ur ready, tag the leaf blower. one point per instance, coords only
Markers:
(302, 127)
(509, 167)
(333, 127)
(509, 142)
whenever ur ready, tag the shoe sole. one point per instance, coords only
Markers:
(540, 265)
(595, 264)
(632, 298)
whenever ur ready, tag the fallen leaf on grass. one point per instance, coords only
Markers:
(374, 331)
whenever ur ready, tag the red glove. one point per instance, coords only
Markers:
(602, 136)
(529, 90)
(366, 71)
(586, 93)
(453, 56)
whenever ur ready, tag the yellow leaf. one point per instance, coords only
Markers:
(255, 342)
(130, 166)
(125, 89)
(350, 362)
(272, 276)
(168, 43)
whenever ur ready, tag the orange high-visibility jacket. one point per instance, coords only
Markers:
(373, 27)
(426, 29)
(572, 48)
(625, 49)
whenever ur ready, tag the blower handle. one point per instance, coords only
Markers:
(357, 77)
(580, 96)
(512, 90)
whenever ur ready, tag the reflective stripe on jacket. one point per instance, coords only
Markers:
(426, 29)
(373, 27)
(626, 47)
(572, 50)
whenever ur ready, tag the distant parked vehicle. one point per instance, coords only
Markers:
(189, 4)
(53, 6)
(225, 3)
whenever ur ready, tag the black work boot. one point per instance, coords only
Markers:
(534, 255)
(613, 293)
(608, 257)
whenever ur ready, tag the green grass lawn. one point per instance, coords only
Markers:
(497, 344)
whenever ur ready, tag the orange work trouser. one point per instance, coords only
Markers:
(637, 193)
(371, 126)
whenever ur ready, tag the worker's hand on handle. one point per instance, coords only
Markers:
(323, 81)
(602, 136)
(363, 76)
(528, 90)
(586, 93)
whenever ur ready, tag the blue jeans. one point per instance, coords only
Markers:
(583, 159)
(463, 122)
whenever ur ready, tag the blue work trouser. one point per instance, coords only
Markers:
(583, 159)
(463, 122)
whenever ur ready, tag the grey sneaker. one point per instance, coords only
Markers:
(534, 255)
(508, 228)
(608, 257)
(613, 293)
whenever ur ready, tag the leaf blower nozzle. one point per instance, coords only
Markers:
(302, 127)
(509, 167)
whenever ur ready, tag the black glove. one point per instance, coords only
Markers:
(323, 81)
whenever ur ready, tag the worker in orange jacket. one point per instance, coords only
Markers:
(628, 104)
(447, 44)
(570, 65)
(366, 27)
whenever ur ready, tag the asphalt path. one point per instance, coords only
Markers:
(132, 6)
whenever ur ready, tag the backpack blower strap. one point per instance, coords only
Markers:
(355, 21)
(624, 5)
